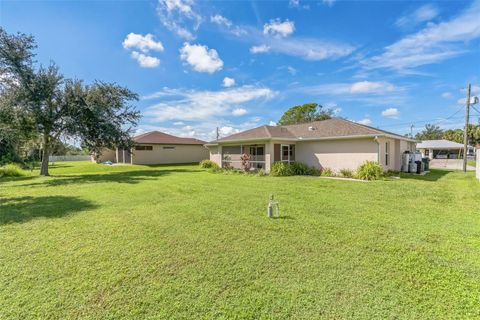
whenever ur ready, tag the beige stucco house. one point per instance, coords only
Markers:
(335, 143)
(158, 148)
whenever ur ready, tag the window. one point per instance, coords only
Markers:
(232, 150)
(387, 153)
(168, 148)
(288, 152)
(144, 148)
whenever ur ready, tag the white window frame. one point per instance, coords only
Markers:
(288, 153)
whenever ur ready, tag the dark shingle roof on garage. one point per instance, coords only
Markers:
(157, 137)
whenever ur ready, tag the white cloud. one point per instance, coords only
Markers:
(464, 100)
(179, 123)
(292, 70)
(143, 43)
(220, 20)
(259, 49)
(201, 58)
(425, 13)
(447, 95)
(228, 82)
(371, 93)
(474, 90)
(433, 44)
(356, 88)
(365, 122)
(276, 27)
(239, 112)
(226, 130)
(329, 2)
(272, 123)
(179, 17)
(225, 22)
(294, 3)
(369, 87)
(185, 105)
(305, 48)
(391, 113)
(145, 61)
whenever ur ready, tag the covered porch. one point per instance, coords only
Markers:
(255, 156)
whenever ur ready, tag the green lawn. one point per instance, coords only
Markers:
(171, 242)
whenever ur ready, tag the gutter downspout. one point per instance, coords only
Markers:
(378, 148)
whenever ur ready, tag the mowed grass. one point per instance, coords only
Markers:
(177, 242)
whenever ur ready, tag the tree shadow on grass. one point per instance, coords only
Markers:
(24, 209)
(129, 177)
(433, 175)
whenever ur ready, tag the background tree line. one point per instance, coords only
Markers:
(434, 132)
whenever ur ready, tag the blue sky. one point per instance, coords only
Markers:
(239, 64)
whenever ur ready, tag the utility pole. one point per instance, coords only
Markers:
(465, 132)
(218, 133)
(411, 131)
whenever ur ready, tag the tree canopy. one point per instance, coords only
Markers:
(307, 112)
(41, 102)
(431, 132)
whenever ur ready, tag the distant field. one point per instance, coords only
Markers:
(169, 242)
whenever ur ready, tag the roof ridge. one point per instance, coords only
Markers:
(267, 130)
(304, 123)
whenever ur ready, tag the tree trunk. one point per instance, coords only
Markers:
(45, 157)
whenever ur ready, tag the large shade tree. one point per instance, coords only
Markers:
(41, 101)
(305, 113)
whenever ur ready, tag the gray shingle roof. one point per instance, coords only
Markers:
(439, 144)
(335, 127)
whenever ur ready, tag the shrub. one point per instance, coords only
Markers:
(281, 169)
(327, 172)
(347, 173)
(261, 173)
(300, 169)
(12, 170)
(293, 169)
(369, 170)
(209, 164)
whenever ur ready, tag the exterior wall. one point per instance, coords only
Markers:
(336, 154)
(394, 154)
(106, 155)
(181, 154)
(216, 154)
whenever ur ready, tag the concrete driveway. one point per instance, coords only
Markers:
(452, 164)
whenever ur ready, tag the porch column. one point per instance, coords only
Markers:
(268, 156)
(430, 153)
(220, 156)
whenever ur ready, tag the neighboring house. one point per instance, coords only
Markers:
(158, 148)
(335, 143)
(443, 149)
